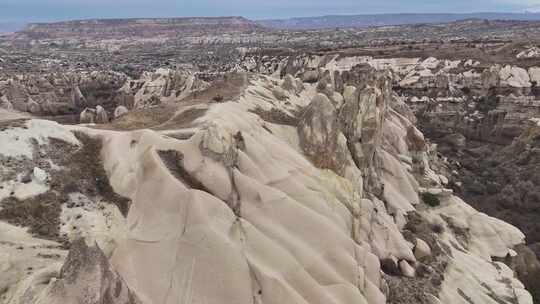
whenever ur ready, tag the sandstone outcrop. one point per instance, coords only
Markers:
(85, 278)
(260, 200)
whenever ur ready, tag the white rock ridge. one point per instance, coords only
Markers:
(249, 209)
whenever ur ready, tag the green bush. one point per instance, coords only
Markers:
(431, 199)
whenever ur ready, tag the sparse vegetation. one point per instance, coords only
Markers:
(218, 98)
(437, 228)
(430, 199)
(276, 116)
(82, 171)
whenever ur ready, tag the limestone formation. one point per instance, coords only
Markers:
(532, 52)
(310, 76)
(87, 278)
(162, 85)
(32, 106)
(406, 269)
(5, 103)
(88, 116)
(292, 84)
(120, 111)
(319, 190)
(289, 83)
(280, 94)
(77, 98)
(101, 115)
(421, 249)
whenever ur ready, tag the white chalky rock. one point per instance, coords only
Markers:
(17, 142)
(443, 179)
(532, 52)
(40, 175)
(280, 94)
(120, 111)
(514, 77)
(5, 103)
(292, 84)
(421, 249)
(406, 269)
(101, 115)
(433, 299)
(239, 212)
(534, 74)
(87, 116)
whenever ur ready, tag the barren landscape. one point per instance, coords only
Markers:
(224, 160)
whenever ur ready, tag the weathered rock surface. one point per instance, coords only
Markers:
(120, 111)
(273, 200)
(86, 277)
(421, 249)
(406, 269)
(67, 96)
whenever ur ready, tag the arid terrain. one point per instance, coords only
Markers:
(221, 160)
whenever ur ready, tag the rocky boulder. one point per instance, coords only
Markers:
(101, 115)
(88, 115)
(319, 131)
(516, 77)
(87, 277)
(120, 111)
(421, 249)
(292, 84)
(311, 76)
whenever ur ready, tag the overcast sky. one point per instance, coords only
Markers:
(50, 10)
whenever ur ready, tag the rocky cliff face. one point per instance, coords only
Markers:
(321, 191)
(60, 93)
(484, 118)
(94, 97)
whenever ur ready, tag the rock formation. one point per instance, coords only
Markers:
(219, 170)
(85, 278)
(120, 111)
(246, 206)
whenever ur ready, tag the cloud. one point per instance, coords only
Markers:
(519, 4)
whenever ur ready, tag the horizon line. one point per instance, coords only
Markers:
(524, 12)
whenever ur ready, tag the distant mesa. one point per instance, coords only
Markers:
(11, 27)
(139, 27)
(350, 21)
(186, 26)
